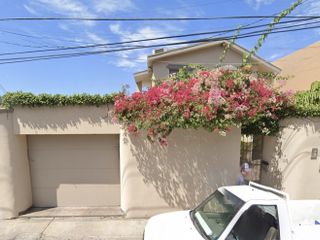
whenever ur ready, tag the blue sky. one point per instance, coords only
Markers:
(108, 72)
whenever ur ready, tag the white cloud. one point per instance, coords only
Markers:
(30, 10)
(77, 8)
(256, 4)
(138, 58)
(111, 6)
(84, 8)
(73, 8)
(311, 7)
(125, 63)
(69, 8)
(273, 56)
(95, 38)
(183, 9)
(141, 33)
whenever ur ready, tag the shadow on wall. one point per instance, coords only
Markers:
(272, 174)
(194, 164)
(287, 152)
(63, 117)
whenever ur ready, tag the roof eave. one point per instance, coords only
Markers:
(142, 76)
(152, 58)
(181, 50)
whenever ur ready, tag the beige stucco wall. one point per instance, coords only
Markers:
(156, 179)
(289, 155)
(153, 179)
(64, 120)
(15, 187)
(208, 57)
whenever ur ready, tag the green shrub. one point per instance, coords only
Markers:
(13, 99)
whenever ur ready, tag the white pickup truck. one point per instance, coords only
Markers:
(253, 212)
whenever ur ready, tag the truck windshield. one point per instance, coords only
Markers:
(213, 215)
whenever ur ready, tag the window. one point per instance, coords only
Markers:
(259, 222)
(214, 214)
(174, 68)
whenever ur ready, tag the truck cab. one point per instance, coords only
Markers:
(253, 212)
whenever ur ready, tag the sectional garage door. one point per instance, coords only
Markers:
(75, 170)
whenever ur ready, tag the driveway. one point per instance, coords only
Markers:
(72, 228)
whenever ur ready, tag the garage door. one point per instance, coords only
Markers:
(75, 170)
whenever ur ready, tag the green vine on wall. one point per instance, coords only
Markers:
(307, 103)
(13, 99)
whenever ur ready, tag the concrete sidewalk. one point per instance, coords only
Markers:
(75, 228)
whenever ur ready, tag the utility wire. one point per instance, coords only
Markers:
(38, 37)
(46, 57)
(162, 38)
(73, 41)
(22, 45)
(130, 48)
(150, 19)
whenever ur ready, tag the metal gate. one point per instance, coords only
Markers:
(251, 152)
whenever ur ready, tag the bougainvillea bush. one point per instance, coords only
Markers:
(215, 100)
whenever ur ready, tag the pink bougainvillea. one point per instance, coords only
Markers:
(215, 100)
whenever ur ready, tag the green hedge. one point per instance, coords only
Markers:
(11, 100)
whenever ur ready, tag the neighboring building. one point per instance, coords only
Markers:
(162, 62)
(75, 156)
(302, 66)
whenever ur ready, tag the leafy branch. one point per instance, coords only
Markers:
(271, 26)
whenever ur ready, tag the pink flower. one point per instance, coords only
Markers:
(206, 110)
(187, 114)
(192, 82)
(252, 112)
(209, 95)
(137, 96)
(115, 120)
(196, 87)
(120, 105)
(204, 74)
(289, 93)
(163, 142)
(215, 97)
(132, 128)
(229, 83)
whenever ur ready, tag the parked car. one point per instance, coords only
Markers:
(253, 212)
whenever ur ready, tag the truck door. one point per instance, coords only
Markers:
(259, 222)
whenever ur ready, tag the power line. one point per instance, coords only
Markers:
(38, 37)
(22, 45)
(66, 40)
(150, 19)
(47, 57)
(161, 38)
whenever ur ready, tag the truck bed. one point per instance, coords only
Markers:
(307, 232)
(304, 212)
